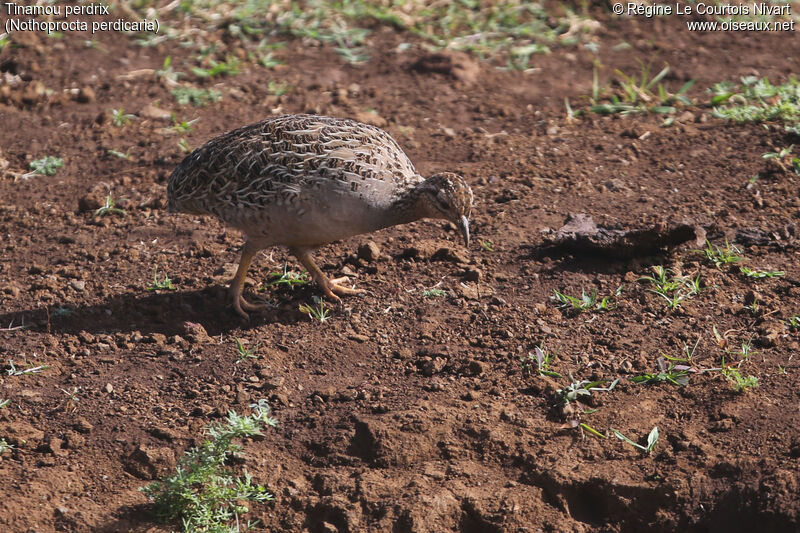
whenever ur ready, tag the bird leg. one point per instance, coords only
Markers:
(331, 288)
(239, 303)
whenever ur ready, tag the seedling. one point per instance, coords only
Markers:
(785, 151)
(673, 289)
(669, 372)
(726, 255)
(637, 95)
(278, 88)
(203, 493)
(72, 399)
(794, 322)
(5, 446)
(4, 403)
(740, 383)
(652, 440)
(746, 350)
(196, 97)
(758, 100)
(183, 126)
(119, 118)
(244, 353)
(109, 208)
(761, 274)
(268, 61)
(487, 246)
(578, 390)
(12, 370)
(167, 73)
(586, 302)
(318, 311)
(229, 67)
(434, 293)
(161, 284)
(288, 278)
(46, 166)
(118, 154)
(542, 360)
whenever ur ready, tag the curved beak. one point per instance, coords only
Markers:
(464, 226)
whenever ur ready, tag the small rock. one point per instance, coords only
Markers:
(458, 65)
(371, 117)
(273, 383)
(358, 338)
(149, 463)
(82, 425)
(472, 274)
(155, 113)
(369, 252)
(195, 332)
(94, 199)
(109, 388)
(85, 95)
(431, 366)
(78, 285)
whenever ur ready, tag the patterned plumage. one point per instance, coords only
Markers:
(303, 181)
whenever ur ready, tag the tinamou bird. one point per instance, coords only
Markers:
(303, 181)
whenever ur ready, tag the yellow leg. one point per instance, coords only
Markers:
(239, 303)
(330, 288)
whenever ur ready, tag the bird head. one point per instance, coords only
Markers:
(446, 195)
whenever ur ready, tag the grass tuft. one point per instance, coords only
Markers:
(203, 493)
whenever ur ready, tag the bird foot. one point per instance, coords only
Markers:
(333, 290)
(241, 306)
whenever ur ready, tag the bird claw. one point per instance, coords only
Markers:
(241, 306)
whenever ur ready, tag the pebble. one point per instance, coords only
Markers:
(86, 95)
(369, 252)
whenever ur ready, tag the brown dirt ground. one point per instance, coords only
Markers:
(402, 413)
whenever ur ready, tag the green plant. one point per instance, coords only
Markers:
(196, 97)
(784, 152)
(46, 166)
(12, 370)
(669, 372)
(487, 246)
(278, 88)
(163, 284)
(4, 403)
(745, 351)
(118, 154)
(119, 118)
(674, 289)
(652, 440)
(586, 302)
(720, 256)
(109, 208)
(637, 95)
(5, 446)
(434, 293)
(758, 100)
(268, 61)
(542, 359)
(204, 493)
(794, 322)
(760, 274)
(168, 73)
(318, 311)
(740, 383)
(287, 278)
(184, 146)
(183, 126)
(229, 67)
(245, 353)
(578, 390)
